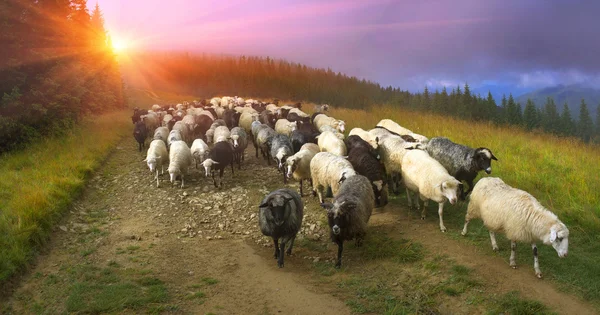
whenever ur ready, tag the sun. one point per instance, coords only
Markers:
(119, 45)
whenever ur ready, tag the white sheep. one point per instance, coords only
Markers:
(272, 108)
(329, 170)
(519, 215)
(285, 127)
(338, 134)
(298, 165)
(221, 133)
(174, 135)
(246, 120)
(156, 107)
(365, 135)
(184, 130)
(166, 119)
(299, 112)
(424, 175)
(329, 142)
(162, 133)
(151, 121)
(395, 127)
(157, 155)
(199, 151)
(215, 101)
(322, 119)
(180, 159)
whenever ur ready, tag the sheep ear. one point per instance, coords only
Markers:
(343, 178)
(552, 235)
(327, 205)
(494, 158)
(265, 203)
(377, 140)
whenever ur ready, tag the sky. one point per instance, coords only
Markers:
(503, 46)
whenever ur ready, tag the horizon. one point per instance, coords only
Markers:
(501, 47)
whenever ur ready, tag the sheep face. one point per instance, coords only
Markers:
(235, 140)
(291, 164)
(281, 157)
(152, 163)
(380, 194)
(276, 209)
(559, 238)
(336, 216)
(208, 163)
(451, 189)
(341, 126)
(483, 159)
(173, 172)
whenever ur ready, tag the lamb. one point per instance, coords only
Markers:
(298, 165)
(328, 142)
(280, 216)
(180, 159)
(281, 149)
(157, 155)
(395, 127)
(461, 161)
(519, 215)
(329, 170)
(349, 213)
(366, 163)
(365, 135)
(424, 175)
(220, 156)
(285, 127)
(162, 133)
(222, 133)
(240, 143)
(140, 133)
(199, 151)
(322, 119)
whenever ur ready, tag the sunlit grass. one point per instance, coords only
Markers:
(39, 183)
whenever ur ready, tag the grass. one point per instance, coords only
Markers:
(562, 173)
(512, 303)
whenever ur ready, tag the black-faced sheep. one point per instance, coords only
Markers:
(349, 213)
(461, 161)
(220, 156)
(280, 216)
(519, 215)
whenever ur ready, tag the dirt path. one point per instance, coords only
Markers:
(205, 246)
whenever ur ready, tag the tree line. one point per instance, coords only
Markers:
(203, 74)
(56, 66)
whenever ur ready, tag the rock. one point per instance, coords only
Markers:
(63, 228)
(316, 260)
(209, 238)
(185, 193)
(184, 230)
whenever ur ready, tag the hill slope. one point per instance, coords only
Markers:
(572, 94)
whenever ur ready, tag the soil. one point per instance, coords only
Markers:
(199, 231)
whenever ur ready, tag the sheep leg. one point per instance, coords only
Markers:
(340, 244)
(513, 254)
(221, 177)
(409, 199)
(424, 211)
(464, 231)
(157, 183)
(301, 194)
(289, 250)
(281, 254)
(536, 263)
(320, 194)
(493, 239)
(213, 177)
(232, 162)
(182, 180)
(284, 177)
(276, 245)
(256, 148)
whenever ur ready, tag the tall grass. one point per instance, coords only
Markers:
(39, 183)
(562, 173)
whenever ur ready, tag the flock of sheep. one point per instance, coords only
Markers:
(356, 170)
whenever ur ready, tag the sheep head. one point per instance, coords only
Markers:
(483, 158)
(275, 209)
(281, 157)
(291, 164)
(208, 164)
(450, 189)
(336, 215)
(559, 239)
(235, 140)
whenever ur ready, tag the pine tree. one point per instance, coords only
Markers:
(598, 123)
(585, 126)
(513, 113)
(530, 116)
(426, 100)
(566, 125)
(550, 117)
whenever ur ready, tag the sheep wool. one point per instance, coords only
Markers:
(180, 159)
(329, 170)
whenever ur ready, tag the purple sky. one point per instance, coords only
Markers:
(508, 45)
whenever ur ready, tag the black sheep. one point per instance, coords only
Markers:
(140, 133)
(220, 156)
(300, 137)
(364, 163)
(267, 118)
(280, 216)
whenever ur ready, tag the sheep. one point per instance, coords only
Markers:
(256, 127)
(137, 113)
(365, 163)
(328, 142)
(281, 149)
(328, 170)
(222, 133)
(140, 133)
(263, 141)
(157, 155)
(246, 120)
(199, 150)
(174, 135)
(392, 150)
(461, 161)
(298, 165)
(395, 127)
(424, 175)
(321, 108)
(240, 143)
(203, 123)
(268, 118)
(300, 137)
(166, 119)
(298, 112)
(280, 216)
(365, 135)
(349, 213)
(152, 122)
(231, 118)
(519, 215)
(285, 127)
(180, 159)
(220, 156)
(338, 134)
(322, 119)
(354, 142)
(183, 130)
(161, 133)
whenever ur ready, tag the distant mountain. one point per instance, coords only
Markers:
(572, 94)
